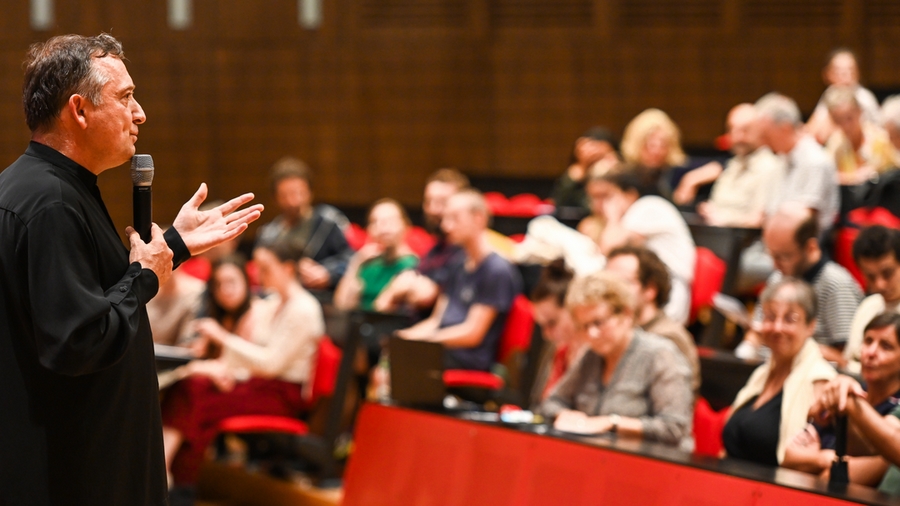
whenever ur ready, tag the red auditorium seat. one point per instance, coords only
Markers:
(356, 236)
(419, 240)
(497, 203)
(709, 272)
(527, 205)
(516, 338)
(708, 425)
(328, 359)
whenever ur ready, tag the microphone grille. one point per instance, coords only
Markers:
(142, 170)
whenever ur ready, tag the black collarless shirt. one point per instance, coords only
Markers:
(79, 409)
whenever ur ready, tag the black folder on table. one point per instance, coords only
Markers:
(417, 373)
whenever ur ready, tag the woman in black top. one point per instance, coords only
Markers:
(772, 406)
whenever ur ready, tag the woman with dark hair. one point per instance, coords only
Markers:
(266, 370)
(812, 450)
(227, 301)
(548, 300)
(632, 218)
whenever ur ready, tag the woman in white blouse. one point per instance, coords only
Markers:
(263, 371)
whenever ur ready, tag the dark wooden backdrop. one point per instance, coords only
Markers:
(385, 91)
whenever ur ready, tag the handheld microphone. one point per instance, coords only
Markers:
(142, 201)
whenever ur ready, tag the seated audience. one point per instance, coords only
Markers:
(265, 366)
(419, 288)
(841, 69)
(811, 176)
(812, 450)
(771, 408)
(648, 221)
(861, 149)
(596, 145)
(378, 262)
(844, 396)
(791, 237)
(174, 307)
(647, 277)
(628, 382)
(651, 144)
(470, 314)
(740, 192)
(877, 253)
(316, 232)
(890, 114)
(560, 348)
(228, 301)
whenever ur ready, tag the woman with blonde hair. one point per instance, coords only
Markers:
(652, 143)
(628, 381)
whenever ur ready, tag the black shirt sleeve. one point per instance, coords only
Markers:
(80, 327)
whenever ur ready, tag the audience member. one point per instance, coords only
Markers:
(227, 300)
(861, 149)
(890, 114)
(560, 348)
(877, 253)
(470, 314)
(649, 221)
(741, 191)
(596, 145)
(629, 382)
(791, 237)
(651, 144)
(841, 69)
(811, 176)
(263, 370)
(378, 262)
(314, 231)
(174, 307)
(419, 289)
(771, 408)
(648, 278)
(812, 450)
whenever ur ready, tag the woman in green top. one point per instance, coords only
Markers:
(379, 260)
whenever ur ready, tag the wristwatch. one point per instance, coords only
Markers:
(614, 420)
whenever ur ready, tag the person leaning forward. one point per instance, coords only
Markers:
(80, 421)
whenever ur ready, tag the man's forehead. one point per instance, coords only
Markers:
(115, 70)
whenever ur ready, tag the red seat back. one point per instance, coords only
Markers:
(709, 273)
(356, 236)
(419, 240)
(708, 425)
(518, 330)
(328, 359)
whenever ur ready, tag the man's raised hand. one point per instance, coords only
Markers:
(202, 230)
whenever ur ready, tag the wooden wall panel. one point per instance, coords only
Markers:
(385, 91)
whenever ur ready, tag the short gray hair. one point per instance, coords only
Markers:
(890, 111)
(837, 96)
(793, 291)
(779, 108)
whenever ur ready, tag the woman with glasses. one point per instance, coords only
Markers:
(628, 382)
(772, 406)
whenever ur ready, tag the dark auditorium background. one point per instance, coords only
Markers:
(385, 91)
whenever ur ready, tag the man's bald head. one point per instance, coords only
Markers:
(791, 236)
(744, 129)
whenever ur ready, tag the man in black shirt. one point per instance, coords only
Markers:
(80, 421)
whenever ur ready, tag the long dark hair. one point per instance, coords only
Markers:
(213, 308)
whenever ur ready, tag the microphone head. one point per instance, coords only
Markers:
(142, 170)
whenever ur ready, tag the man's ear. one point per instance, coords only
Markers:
(75, 110)
(649, 293)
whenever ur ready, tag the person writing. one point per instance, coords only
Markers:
(628, 382)
(81, 422)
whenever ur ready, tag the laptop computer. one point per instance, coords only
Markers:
(417, 373)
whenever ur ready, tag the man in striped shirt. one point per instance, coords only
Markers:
(791, 238)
